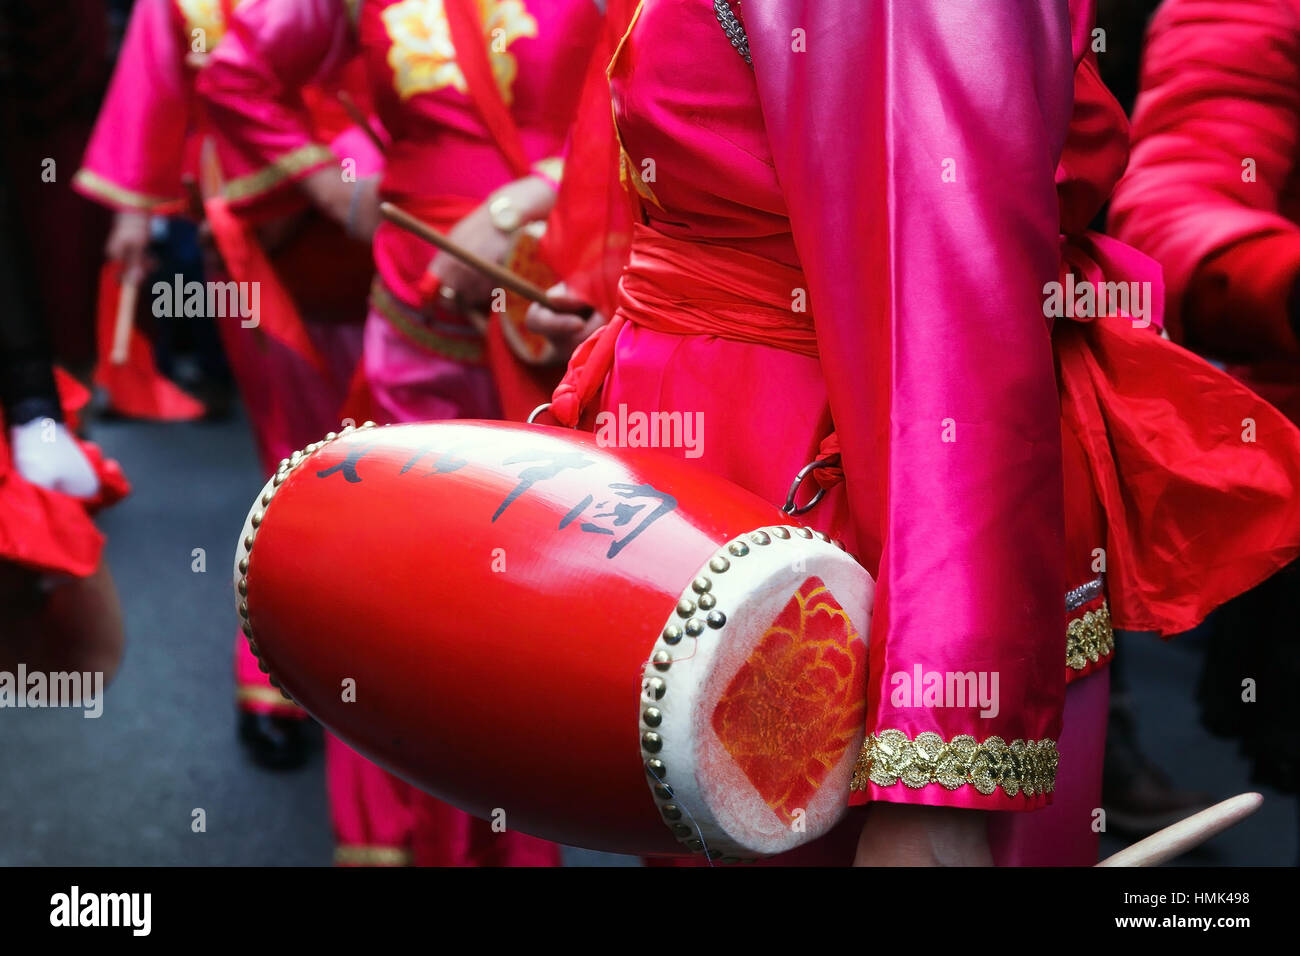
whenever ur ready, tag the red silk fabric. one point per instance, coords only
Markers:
(242, 253)
(135, 388)
(1197, 474)
(681, 288)
(466, 26)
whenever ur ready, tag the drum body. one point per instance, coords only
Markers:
(613, 648)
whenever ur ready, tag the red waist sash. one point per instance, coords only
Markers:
(680, 287)
(694, 288)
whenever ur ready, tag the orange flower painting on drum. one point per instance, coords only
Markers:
(423, 58)
(799, 702)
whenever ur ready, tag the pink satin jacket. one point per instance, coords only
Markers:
(145, 140)
(926, 221)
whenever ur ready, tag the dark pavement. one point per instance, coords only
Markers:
(123, 789)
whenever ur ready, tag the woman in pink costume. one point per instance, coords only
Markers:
(477, 96)
(857, 223)
(294, 376)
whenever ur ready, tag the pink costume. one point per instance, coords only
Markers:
(421, 362)
(147, 143)
(859, 232)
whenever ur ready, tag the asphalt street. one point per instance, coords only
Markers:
(124, 788)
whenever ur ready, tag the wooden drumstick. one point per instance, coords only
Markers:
(1186, 834)
(127, 296)
(354, 113)
(502, 276)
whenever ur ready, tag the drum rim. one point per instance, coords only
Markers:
(689, 821)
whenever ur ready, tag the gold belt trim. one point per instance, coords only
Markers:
(358, 854)
(461, 349)
(891, 757)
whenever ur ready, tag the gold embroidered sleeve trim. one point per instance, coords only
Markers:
(119, 196)
(286, 167)
(1089, 638)
(890, 756)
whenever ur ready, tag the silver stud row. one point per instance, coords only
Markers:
(282, 472)
(698, 598)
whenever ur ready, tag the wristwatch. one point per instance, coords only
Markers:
(504, 214)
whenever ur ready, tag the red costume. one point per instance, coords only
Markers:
(47, 531)
(1213, 188)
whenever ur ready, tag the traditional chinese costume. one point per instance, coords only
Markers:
(149, 142)
(850, 228)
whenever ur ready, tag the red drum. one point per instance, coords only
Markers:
(612, 648)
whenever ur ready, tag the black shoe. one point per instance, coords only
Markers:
(276, 743)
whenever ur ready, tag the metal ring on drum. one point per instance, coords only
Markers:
(790, 508)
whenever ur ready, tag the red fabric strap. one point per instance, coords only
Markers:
(243, 256)
(471, 55)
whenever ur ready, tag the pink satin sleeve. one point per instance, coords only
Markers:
(916, 142)
(251, 90)
(136, 155)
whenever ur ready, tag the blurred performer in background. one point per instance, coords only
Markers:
(851, 233)
(1213, 193)
(477, 96)
(60, 609)
(294, 361)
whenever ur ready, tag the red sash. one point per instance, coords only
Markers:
(684, 288)
(244, 258)
(471, 55)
